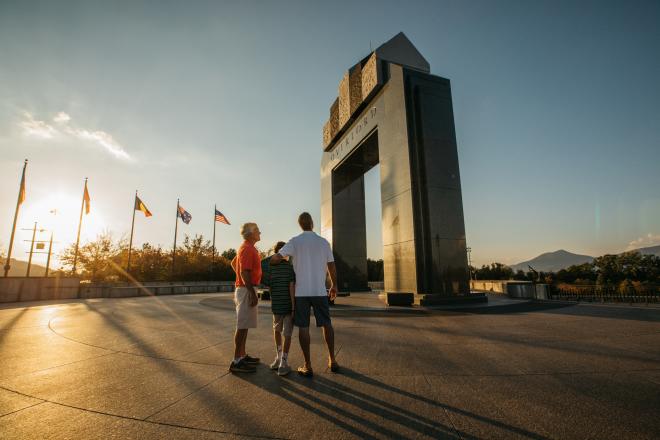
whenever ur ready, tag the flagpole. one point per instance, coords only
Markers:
(176, 226)
(130, 242)
(82, 206)
(50, 250)
(21, 190)
(34, 234)
(215, 208)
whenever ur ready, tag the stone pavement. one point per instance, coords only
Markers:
(157, 368)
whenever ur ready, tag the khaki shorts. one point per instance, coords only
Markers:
(283, 324)
(246, 316)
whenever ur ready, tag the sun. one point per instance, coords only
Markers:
(59, 213)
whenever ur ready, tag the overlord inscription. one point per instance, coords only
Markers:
(363, 126)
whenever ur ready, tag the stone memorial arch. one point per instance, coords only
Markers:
(391, 111)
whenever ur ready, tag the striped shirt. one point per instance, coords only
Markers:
(280, 276)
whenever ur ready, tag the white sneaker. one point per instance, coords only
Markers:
(284, 368)
(275, 364)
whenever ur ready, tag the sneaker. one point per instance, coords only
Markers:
(284, 369)
(306, 372)
(275, 364)
(250, 360)
(241, 367)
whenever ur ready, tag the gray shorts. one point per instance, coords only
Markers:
(283, 324)
(321, 308)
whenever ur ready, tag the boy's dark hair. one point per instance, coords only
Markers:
(279, 245)
(305, 221)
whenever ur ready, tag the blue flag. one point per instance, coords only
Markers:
(184, 215)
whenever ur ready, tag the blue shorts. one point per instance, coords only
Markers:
(321, 308)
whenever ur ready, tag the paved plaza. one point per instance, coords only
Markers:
(156, 367)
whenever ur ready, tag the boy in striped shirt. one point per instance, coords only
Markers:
(282, 290)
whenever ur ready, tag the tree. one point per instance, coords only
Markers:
(150, 263)
(96, 259)
(229, 254)
(375, 270)
(584, 272)
(496, 271)
(102, 260)
(193, 259)
(520, 276)
(631, 266)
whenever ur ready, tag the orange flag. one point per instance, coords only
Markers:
(21, 193)
(86, 199)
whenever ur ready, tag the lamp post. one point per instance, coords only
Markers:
(469, 251)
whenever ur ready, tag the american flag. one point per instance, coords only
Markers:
(220, 217)
(184, 215)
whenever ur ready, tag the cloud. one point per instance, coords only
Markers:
(41, 129)
(646, 241)
(103, 139)
(35, 128)
(62, 118)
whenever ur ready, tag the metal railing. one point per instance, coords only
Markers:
(633, 293)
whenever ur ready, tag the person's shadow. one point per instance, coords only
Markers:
(367, 409)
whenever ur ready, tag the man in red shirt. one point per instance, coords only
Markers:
(247, 265)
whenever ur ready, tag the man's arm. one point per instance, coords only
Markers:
(247, 280)
(292, 293)
(332, 270)
(284, 253)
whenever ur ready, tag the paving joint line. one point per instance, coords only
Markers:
(208, 346)
(549, 340)
(556, 373)
(62, 365)
(19, 410)
(131, 353)
(451, 421)
(186, 396)
(140, 420)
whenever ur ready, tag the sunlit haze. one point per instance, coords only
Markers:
(555, 103)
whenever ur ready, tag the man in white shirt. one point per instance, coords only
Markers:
(311, 256)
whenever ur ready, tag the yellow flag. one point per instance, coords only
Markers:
(21, 193)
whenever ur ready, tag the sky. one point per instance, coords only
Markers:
(555, 105)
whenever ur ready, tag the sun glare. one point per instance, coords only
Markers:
(60, 213)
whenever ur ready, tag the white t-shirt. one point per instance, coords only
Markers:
(311, 254)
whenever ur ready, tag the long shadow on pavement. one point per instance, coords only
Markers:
(210, 400)
(9, 325)
(322, 391)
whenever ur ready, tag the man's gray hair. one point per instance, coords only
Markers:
(247, 229)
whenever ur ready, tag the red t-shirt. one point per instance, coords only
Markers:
(248, 258)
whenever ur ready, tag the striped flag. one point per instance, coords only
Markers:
(140, 206)
(220, 217)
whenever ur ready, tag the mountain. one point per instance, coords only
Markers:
(561, 259)
(652, 250)
(553, 261)
(18, 268)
